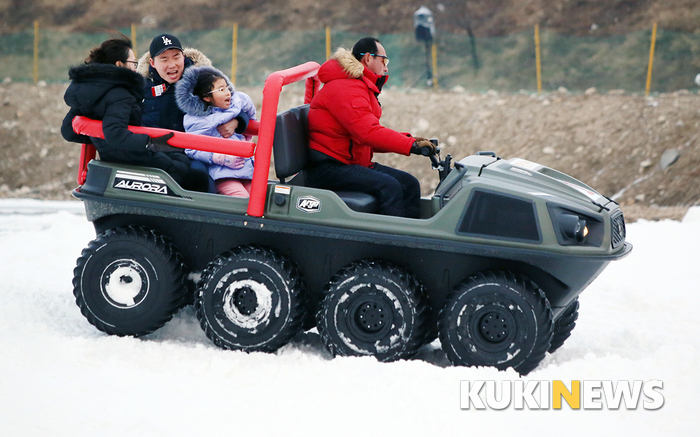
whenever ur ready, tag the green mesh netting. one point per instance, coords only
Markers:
(505, 63)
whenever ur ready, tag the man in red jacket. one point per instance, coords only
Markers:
(344, 132)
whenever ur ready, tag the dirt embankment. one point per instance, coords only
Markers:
(483, 17)
(643, 151)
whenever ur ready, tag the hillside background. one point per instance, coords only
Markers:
(642, 150)
(482, 17)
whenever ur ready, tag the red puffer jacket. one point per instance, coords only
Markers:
(344, 114)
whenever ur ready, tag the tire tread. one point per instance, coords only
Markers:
(161, 247)
(529, 290)
(271, 257)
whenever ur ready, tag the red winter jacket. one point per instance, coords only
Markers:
(344, 114)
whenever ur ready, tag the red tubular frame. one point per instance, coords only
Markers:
(265, 130)
(93, 128)
(268, 119)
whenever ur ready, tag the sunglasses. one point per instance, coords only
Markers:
(385, 59)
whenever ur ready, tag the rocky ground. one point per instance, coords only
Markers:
(643, 152)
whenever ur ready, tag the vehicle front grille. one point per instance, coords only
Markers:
(619, 233)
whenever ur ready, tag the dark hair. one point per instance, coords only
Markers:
(365, 45)
(205, 83)
(111, 51)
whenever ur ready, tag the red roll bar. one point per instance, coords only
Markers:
(264, 129)
(268, 119)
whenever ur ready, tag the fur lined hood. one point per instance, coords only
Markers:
(90, 82)
(343, 65)
(352, 67)
(184, 96)
(107, 73)
(197, 57)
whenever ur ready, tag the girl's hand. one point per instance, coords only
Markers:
(234, 162)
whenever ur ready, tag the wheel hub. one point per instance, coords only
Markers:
(245, 300)
(371, 317)
(493, 327)
(124, 283)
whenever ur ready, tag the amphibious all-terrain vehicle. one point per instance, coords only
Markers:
(494, 266)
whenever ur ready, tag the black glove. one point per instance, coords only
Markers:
(423, 147)
(160, 144)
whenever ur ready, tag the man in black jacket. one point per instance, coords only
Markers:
(167, 63)
(162, 67)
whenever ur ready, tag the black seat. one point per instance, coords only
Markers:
(291, 148)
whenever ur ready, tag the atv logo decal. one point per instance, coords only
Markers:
(524, 163)
(142, 186)
(308, 204)
(521, 171)
(125, 180)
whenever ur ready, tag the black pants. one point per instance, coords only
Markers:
(397, 192)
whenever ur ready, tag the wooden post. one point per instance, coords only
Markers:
(651, 59)
(435, 72)
(36, 51)
(133, 40)
(328, 42)
(234, 53)
(538, 59)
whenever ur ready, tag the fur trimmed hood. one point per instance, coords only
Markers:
(197, 57)
(184, 96)
(343, 65)
(349, 63)
(107, 74)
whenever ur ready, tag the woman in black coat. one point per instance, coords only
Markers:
(108, 88)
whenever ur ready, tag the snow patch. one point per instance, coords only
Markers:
(176, 382)
(692, 216)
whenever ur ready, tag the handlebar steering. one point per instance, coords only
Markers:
(442, 166)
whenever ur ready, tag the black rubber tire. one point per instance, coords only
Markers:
(497, 319)
(251, 299)
(140, 257)
(375, 308)
(563, 326)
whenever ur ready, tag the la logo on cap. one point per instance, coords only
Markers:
(167, 41)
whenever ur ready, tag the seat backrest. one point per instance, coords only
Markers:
(291, 143)
(291, 147)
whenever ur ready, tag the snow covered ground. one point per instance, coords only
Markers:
(59, 376)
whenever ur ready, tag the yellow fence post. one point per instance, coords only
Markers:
(133, 40)
(328, 42)
(651, 59)
(36, 51)
(538, 59)
(234, 53)
(435, 72)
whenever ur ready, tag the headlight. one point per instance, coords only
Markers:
(573, 227)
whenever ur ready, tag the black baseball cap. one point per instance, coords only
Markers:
(162, 43)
